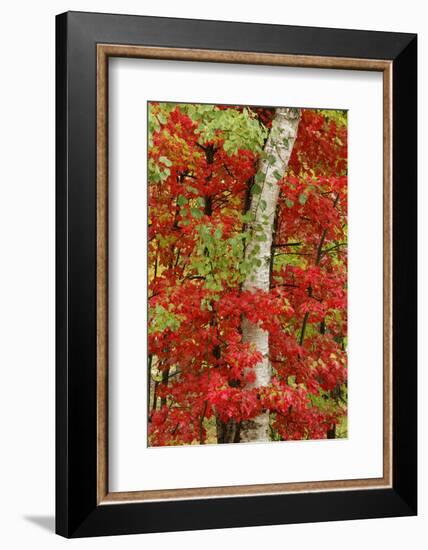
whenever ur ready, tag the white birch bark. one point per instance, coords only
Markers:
(278, 148)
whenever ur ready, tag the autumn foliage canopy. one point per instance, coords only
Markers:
(203, 172)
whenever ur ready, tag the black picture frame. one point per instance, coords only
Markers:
(77, 511)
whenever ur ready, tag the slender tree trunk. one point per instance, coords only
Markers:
(278, 148)
(227, 432)
(150, 382)
(331, 432)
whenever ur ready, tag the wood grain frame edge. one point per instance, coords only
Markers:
(104, 51)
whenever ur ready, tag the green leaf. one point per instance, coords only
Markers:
(289, 203)
(162, 118)
(196, 213)
(165, 161)
(303, 198)
(162, 319)
(248, 217)
(277, 175)
(218, 233)
(261, 237)
(181, 200)
(256, 189)
(259, 178)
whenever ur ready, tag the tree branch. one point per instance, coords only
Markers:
(201, 423)
(332, 248)
(286, 244)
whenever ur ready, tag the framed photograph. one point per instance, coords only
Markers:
(236, 274)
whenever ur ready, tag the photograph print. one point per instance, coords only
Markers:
(247, 274)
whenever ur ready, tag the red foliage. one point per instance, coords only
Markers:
(206, 367)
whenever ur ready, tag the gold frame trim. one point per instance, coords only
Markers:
(104, 51)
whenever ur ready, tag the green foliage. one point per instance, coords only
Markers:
(196, 213)
(161, 319)
(157, 173)
(239, 129)
(340, 117)
(303, 198)
(329, 401)
(222, 262)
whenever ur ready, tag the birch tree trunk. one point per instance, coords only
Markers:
(272, 167)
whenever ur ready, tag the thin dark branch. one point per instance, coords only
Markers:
(201, 423)
(292, 254)
(332, 248)
(188, 175)
(302, 332)
(278, 245)
(201, 146)
(320, 245)
(176, 373)
(228, 171)
(177, 258)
